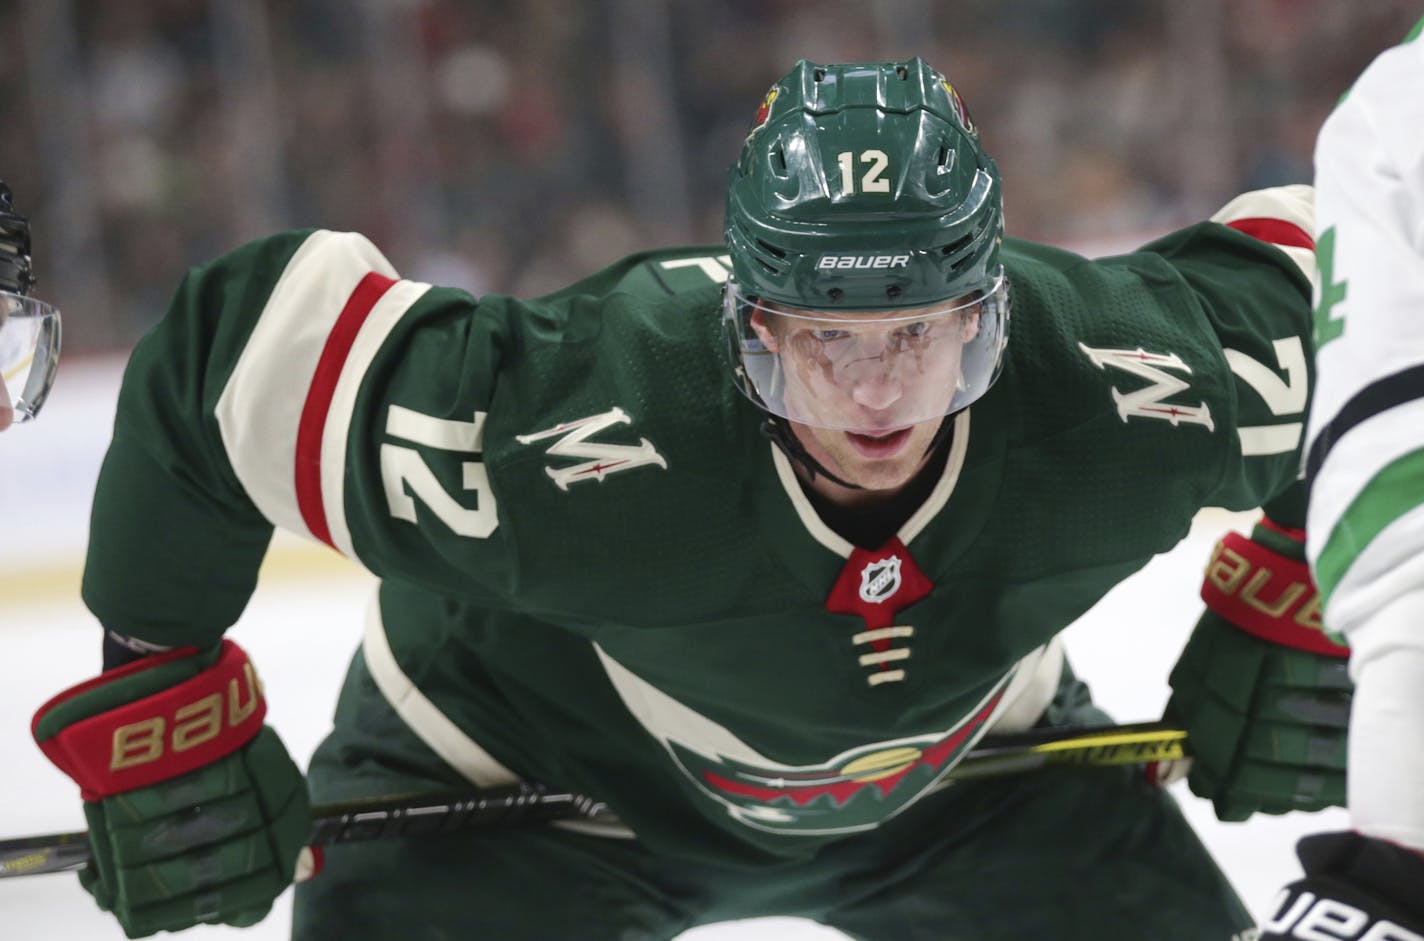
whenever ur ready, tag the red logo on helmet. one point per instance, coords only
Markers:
(764, 112)
(959, 106)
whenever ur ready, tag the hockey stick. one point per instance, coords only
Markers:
(524, 804)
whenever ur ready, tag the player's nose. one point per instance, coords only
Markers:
(877, 390)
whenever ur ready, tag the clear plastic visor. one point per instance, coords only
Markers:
(29, 356)
(872, 372)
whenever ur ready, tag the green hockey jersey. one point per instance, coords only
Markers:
(599, 573)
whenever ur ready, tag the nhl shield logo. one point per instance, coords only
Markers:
(880, 580)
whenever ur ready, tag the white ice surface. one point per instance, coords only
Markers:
(300, 633)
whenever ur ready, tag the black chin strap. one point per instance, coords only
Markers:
(776, 428)
(945, 432)
(783, 437)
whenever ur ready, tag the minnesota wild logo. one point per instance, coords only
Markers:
(764, 112)
(963, 111)
(855, 790)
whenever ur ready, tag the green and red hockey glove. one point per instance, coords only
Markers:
(1354, 887)
(196, 812)
(1261, 690)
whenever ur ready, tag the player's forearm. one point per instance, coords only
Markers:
(176, 540)
(166, 564)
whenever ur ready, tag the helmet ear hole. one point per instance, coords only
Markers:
(957, 244)
(778, 160)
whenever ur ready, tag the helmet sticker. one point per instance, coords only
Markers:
(960, 107)
(763, 112)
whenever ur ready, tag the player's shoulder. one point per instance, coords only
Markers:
(1062, 299)
(648, 306)
(653, 276)
(1257, 251)
(1089, 337)
(644, 329)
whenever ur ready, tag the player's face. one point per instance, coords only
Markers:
(865, 394)
(876, 463)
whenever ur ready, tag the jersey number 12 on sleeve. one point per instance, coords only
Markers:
(403, 468)
(1284, 397)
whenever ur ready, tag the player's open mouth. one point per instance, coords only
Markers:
(882, 445)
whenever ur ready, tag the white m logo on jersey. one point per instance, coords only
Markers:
(600, 459)
(1149, 402)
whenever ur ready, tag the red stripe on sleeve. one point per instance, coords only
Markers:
(323, 386)
(1275, 231)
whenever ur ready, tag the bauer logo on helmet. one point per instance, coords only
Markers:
(843, 262)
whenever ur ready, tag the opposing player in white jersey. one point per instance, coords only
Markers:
(1365, 465)
(29, 328)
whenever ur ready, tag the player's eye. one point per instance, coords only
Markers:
(917, 329)
(828, 334)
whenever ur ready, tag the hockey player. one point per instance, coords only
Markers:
(752, 542)
(29, 328)
(1366, 473)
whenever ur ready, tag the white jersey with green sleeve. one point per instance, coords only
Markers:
(1365, 439)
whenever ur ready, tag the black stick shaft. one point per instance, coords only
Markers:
(524, 804)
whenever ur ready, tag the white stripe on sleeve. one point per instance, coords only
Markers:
(260, 408)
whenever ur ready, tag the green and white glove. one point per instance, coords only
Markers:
(196, 812)
(1262, 691)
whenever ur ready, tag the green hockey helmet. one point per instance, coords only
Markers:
(862, 192)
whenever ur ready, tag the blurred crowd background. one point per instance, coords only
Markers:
(513, 145)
